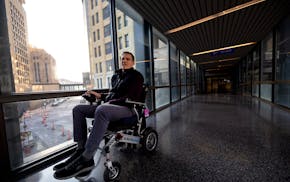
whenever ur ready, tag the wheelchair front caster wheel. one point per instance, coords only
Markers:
(113, 176)
(149, 140)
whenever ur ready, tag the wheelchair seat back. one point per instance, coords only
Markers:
(130, 122)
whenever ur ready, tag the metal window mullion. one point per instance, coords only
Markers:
(274, 63)
(169, 71)
(152, 65)
(114, 34)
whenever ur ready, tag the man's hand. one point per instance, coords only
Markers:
(89, 92)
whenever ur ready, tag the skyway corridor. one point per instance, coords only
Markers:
(208, 138)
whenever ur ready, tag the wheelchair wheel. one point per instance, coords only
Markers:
(149, 140)
(109, 176)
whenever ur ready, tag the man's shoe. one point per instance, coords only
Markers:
(75, 155)
(75, 168)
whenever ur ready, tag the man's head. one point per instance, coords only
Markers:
(128, 60)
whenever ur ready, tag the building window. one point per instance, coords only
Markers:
(266, 66)
(37, 73)
(125, 20)
(92, 4)
(101, 83)
(101, 70)
(282, 90)
(98, 34)
(46, 72)
(93, 19)
(120, 43)
(119, 23)
(99, 49)
(94, 36)
(96, 2)
(107, 30)
(108, 47)
(95, 51)
(109, 65)
(109, 82)
(97, 17)
(126, 40)
(106, 12)
(98, 85)
(97, 70)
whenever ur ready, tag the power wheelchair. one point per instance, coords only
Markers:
(131, 131)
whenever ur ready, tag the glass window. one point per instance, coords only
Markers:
(93, 19)
(162, 97)
(120, 42)
(95, 50)
(97, 70)
(108, 48)
(256, 72)
(92, 4)
(174, 67)
(107, 30)
(101, 83)
(161, 68)
(94, 36)
(41, 125)
(109, 66)
(102, 37)
(267, 49)
(125, 20)
(282, 89)
(127, 44)
(100, 51)
(138, 43)
(50, 69)
(188, 76)
(98, 34)
(160, 59)
(97, 17)
(101, 69)
(249, 74)
(183, 74)
(193, 76)
(266, 61)
(106, 12)
(119, 22)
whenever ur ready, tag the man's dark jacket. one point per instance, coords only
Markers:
(126, 84)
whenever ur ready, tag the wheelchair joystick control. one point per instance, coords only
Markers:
(146, 112)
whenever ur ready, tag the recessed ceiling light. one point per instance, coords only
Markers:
(221, 60)
(222, 13)
(223, 48)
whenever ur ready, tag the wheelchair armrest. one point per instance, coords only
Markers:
(135, 102)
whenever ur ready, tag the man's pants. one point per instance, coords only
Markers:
(103, 114)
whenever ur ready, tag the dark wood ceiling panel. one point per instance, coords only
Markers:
(243, 26)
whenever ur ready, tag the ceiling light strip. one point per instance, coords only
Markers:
(224, 48)
(219, 61)
(222, 13)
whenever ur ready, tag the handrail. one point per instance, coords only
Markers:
(17, 97)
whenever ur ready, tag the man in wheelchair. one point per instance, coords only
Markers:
(120, 103)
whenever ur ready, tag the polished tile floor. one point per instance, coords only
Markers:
(208, 138)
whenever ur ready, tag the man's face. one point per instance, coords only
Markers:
(127, 61)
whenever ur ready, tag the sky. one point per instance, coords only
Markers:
(58, 27)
